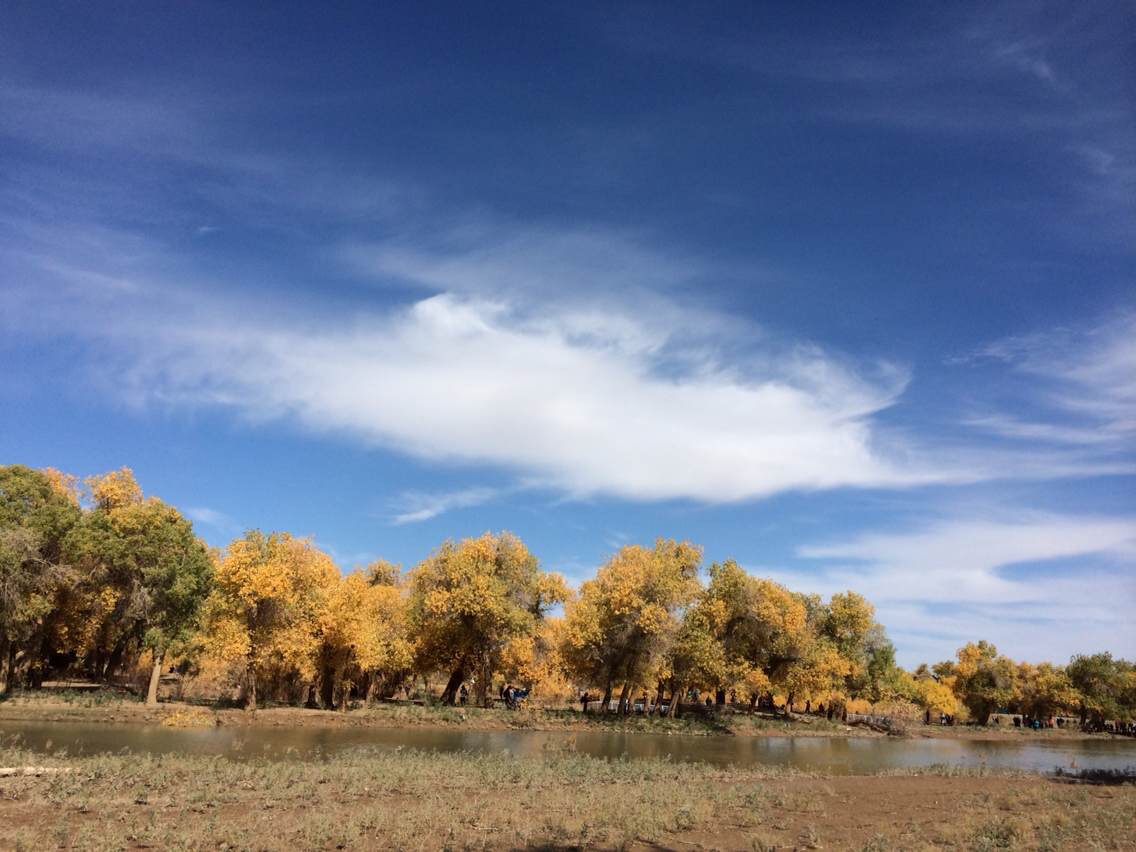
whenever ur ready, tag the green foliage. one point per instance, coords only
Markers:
(1106, 687)
(984, 680)
(35, 518)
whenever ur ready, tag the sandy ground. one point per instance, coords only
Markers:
(103, 805)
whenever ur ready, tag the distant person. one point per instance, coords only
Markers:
(463, 694)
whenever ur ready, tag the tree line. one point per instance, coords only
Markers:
(97, 580)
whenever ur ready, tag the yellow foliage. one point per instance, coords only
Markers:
(365, 625)
(114, 489)
(471, 599)
(267, 603)
(66, 484)
(819, 676)
(622, 623)
(850, 617)
(535, 662)
(938, 697)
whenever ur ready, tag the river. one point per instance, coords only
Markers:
(841, 755)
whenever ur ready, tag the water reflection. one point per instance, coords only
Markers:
(832, 754)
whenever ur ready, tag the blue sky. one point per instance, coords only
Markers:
(844, 292)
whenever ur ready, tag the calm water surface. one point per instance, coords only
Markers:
(833, 754)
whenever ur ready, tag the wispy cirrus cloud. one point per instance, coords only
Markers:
(416, 506)
(214, 518)
(1081, 382)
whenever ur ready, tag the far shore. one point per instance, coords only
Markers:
(31, 707)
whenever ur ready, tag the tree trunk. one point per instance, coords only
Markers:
(114, 663)
(341, 692)
(606, 698)
(155, 677)
(658, 699)
(622, 709)
(752, 702)
(250, 692)
(453, 684)
(372, 688)
(7, 660)
(94, 663)
(720, 697)
(676, 700)
(484, 681)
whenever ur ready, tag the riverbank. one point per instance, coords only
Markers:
(102, 707)
(416, 800)
(113, 708)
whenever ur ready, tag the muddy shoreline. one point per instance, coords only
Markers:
(178, 714)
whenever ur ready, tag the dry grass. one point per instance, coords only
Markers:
(416, 800)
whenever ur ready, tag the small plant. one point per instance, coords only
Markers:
(995, 834)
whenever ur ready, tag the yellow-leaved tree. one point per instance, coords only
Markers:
(1044, 690)
(363, 637)
(470, 599)
(111, 490)
(265, 612)
(984, 680)
(935, 696)
(621, 626)
(754, 629)
(534, 662)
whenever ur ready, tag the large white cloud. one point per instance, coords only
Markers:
(583, 390)
(455, 379)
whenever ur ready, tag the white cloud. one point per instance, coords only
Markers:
(468, 381)
(212, 518)
(574, 390)
(960, 579)
(415, 506)
(1084, 379)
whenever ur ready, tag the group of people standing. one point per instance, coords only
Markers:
(509, 694)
